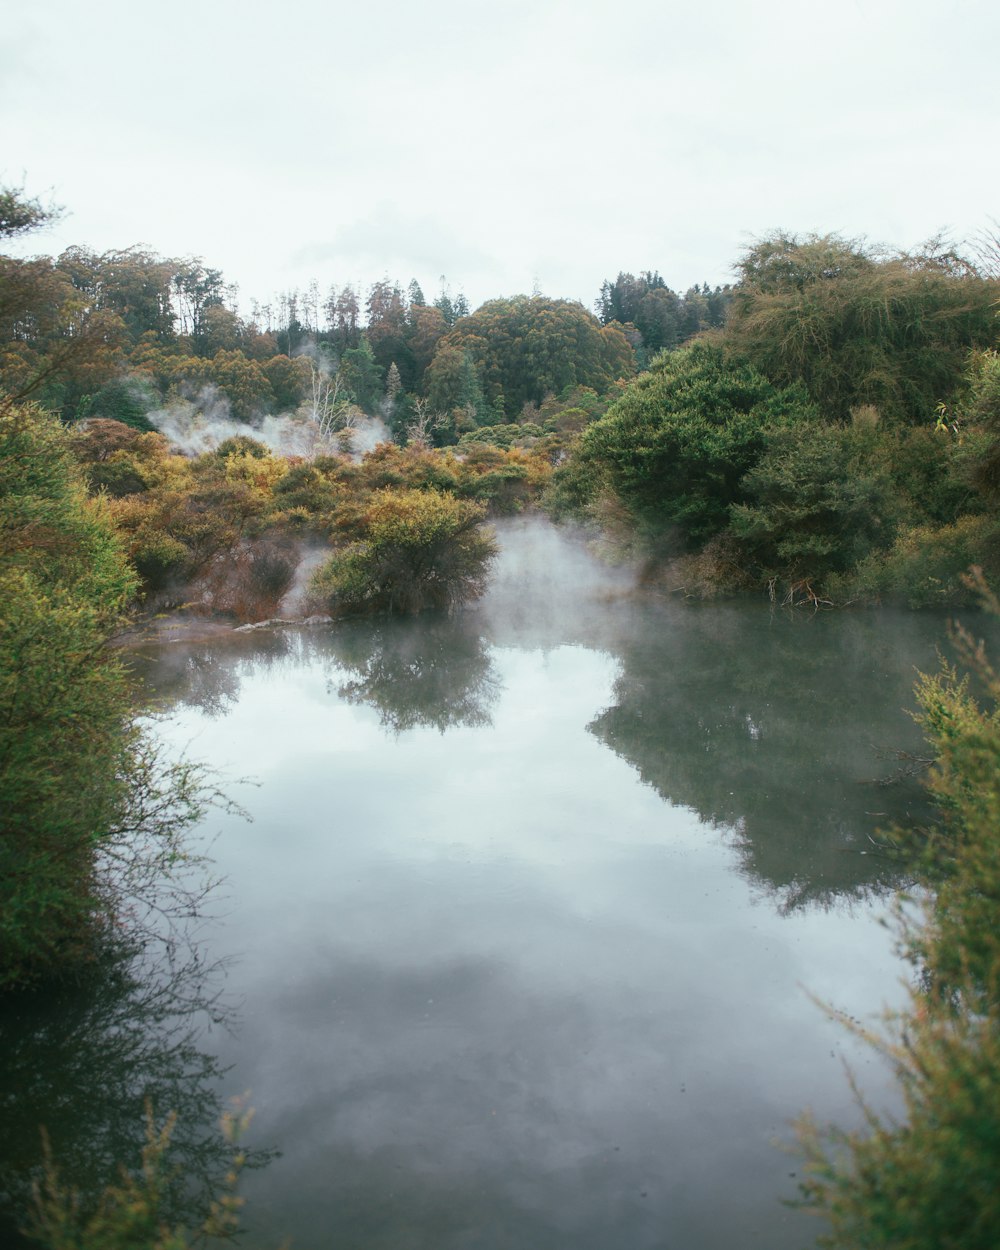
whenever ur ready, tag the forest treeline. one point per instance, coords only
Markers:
(111, 335)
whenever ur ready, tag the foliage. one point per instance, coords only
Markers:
(453, 386)
(929, 1179)
(52, 344)
(526, 347)
(415, 550)
(926, 564)
(20, 215)
(122, 399)
(927, 468)
(361, 376)
(981, 412)
(860, 327)
(663, 319)
(80, 790)
(676, 446)
(131, 1212)
(243, 381)
(817, 501)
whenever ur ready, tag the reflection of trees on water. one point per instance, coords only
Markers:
(435, 671)
(83, 1060)
(207, 675)
(778, 727)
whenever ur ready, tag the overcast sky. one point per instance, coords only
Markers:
(506, 144)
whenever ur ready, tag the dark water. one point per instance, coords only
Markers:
(524, 938)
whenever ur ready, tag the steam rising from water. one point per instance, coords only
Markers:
(548, 585)
(295, 601)
(198, 425)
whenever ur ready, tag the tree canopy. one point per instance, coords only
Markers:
(861, 326)
(527, 347)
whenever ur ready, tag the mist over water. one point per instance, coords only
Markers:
(549, 585)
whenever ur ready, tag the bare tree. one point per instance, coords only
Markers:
(420, 430)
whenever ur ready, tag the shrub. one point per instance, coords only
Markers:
(816, 503)
(416, 550)
(982, 411)
(926, 564)
(929, 1180)
(857, 326)
(676, 446)
(89, 816)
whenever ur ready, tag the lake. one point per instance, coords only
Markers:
(524, 943)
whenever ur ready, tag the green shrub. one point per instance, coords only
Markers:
(85, 805)
(125, 399)
(857, 326)
(926, 466)
(817, 502)
(981, 412)
(928, 1180)
(926, 564)
(63, 699)
(678, 443)
(416, 550)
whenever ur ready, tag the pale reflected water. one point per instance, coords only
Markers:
(526, 925)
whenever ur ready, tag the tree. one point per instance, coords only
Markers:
(289, 380)
(53, 341)
(343, 313)
(134, 284)
(361, 376)
(427, 328)
(663, 319)
(453, 385)
(196, 289)
(388, 330)
(21, 215)
(244, 383)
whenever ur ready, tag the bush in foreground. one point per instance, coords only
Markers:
(929, 1180)
(88, 812)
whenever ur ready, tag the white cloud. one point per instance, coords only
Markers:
(499, 144)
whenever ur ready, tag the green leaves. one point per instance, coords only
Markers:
(677, 444)
(860, 327)
(929, 1180)
(416, 550)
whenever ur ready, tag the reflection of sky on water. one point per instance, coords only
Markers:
(497, 992)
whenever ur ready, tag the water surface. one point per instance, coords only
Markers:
(527, 929)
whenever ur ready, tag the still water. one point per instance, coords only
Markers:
(522, 946)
